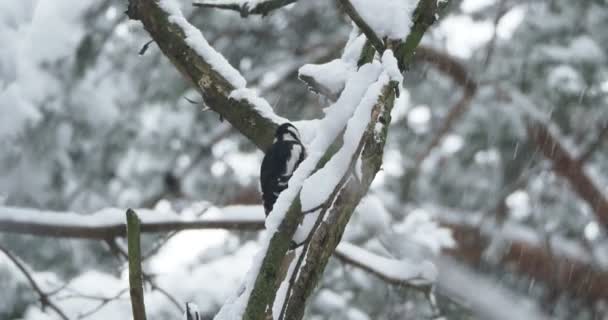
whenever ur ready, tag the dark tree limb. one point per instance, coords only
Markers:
(458, 72)
(600, 138)
(43, 297)
(559, 273)
(567, 166)
(262, 8)
(135, 274)
(215, 89)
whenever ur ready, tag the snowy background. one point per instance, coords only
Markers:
(468, 199)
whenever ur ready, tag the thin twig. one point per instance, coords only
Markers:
(120, 253)
(44, 297)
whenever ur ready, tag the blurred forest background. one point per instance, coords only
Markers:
(499, 136)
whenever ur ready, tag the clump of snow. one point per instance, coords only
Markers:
(196, 40)
(373, 215)
(354, 46)
(420, 228)
(389, 62)
(388, 18)
(396, 270)
(16, 112)
(566, 79)
(332, 76)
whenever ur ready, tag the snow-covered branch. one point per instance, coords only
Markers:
(245, 7)
(135, 273)
(222, 86)
(392, 271)
(109, 223)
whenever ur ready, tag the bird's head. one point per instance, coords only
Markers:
(287, 132)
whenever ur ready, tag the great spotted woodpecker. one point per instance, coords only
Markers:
(280, 161)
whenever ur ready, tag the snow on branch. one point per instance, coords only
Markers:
(245, 7)
(397, 272)
(206, 69)
(109, 223)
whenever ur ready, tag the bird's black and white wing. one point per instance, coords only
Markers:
(278, 165)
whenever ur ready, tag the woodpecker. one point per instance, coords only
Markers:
(280, 161)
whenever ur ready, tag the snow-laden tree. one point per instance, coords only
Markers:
(468, 170)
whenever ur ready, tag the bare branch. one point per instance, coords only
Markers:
(44, 297)
(135, 275)
(417, 283)
(565, 165)
(242, 6)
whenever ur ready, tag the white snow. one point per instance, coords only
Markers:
(388, 18)
(465, 35)
(373, 215)
(319, 186)
(196, 40)
(332, 76)
(260, 104)
(249, 3)
(397, 270)
(566, 79)
(115, 216)
(420, 228)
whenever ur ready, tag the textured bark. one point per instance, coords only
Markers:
(213, 87)
(136, 286)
